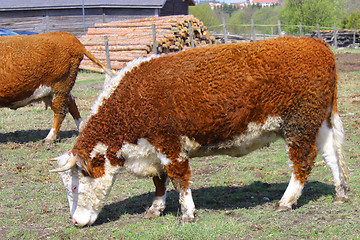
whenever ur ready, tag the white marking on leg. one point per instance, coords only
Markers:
(78, 123)
(81, 126)
(292, 193)
(51, 136)
(187, 206)
(157, 207)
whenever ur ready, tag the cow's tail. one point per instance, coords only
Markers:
(108, 72)
(339, 137)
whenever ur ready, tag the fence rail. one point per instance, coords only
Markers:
(255, 32)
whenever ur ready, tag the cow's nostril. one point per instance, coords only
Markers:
(75, 222)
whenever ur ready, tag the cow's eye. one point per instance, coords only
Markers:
(74, 188)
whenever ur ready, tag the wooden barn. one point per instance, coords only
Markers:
(76, 16)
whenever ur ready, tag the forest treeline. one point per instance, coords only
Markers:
(344, 14)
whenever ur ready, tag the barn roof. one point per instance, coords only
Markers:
(265, 1)
(61, 4)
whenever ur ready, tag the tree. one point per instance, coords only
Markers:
(311, 12)
(204, 13)
(351, 20)
(228, 9)
(266, 16)
(239, 18)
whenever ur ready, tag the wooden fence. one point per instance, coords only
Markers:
(255, 32)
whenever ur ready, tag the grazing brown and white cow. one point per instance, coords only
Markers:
(231, 99)
(42, 67)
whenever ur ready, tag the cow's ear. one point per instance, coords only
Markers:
(85, 163)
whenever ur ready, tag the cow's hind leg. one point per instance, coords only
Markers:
(159, 201)
(62, 101)
(60, 109)
(74, 111)
(302, 155)
(330, 146)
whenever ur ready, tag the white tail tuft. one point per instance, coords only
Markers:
(339, 140)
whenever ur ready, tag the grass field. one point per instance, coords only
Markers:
(235, 197)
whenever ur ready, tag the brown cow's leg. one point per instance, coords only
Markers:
(159, 201)
(62, 101)
(60, 109)
(179, 173)
(74, 111)
(302, 155)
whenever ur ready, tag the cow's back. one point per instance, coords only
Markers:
(28, 62)
(211, 94)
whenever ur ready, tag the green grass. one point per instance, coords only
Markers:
(235, 197)
(345, 50)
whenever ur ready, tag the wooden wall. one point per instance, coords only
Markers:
(70, 20)
(175, 7)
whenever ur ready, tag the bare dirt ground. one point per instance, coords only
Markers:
(348, 62)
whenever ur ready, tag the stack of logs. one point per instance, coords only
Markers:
(131, 39)
(344, 38)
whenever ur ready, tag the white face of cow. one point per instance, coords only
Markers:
(86, 195)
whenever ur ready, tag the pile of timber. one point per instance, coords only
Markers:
(344, 38)
(131, 39)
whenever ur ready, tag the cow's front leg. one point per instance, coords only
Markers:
(179, 173)
(187, 206)
(159, 201)
(302, 155)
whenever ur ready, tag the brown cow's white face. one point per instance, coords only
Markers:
(86, 195)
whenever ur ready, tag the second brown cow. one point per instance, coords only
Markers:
(42, 67)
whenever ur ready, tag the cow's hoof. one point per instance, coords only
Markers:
(187, 219)
(341, 199)
(47, 142)
(283, 208)
(152, 214)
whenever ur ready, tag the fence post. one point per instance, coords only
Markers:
(354, 37)
(279, 27)
(300, 29)
(154, 39)
(253, 30)
(272, 32)
(335, 37)
(191, 35)
(107, 53)
(318, 30)
(224, 29)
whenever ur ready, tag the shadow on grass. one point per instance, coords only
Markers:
(216, 198)
(25, 136)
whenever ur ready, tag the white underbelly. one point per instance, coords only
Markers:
(255, 137)
(144, 160)
(40, 93)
